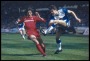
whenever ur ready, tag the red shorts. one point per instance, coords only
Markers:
(33, 32)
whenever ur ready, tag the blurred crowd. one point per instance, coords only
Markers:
(11, 11)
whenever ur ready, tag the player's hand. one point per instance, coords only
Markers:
(51, 22)
(16, 22)
(79, 20)
(37, 14)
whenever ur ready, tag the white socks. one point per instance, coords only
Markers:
(49, 29)
(59, 46)
(23, 37)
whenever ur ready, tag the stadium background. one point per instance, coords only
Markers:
(11, 10)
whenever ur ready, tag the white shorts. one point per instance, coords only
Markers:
(21, 29)
(67, 23)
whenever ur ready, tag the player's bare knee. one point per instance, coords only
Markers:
(33, 38)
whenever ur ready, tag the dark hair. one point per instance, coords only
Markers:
(52, 7)
(28, 9)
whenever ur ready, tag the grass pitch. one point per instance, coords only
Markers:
(75, 47)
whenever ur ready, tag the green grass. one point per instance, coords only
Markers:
(75, 47)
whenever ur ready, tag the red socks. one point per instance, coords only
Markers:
(43, 47)
(40, 49)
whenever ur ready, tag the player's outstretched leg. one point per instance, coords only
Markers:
(35, 40)
(45, 32)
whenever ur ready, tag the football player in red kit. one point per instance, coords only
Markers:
(31, 30)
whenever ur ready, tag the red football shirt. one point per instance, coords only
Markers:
(30, 22)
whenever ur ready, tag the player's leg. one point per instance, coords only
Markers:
(61, 22)
(51, 26)
(20, 31)
(41, 43)
(23, 33)
(34, 39)
(58, 31)
(48, 30)
(53, 23)
(58, 41)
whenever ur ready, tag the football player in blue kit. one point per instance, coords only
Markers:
(21, 29)
(60, 21)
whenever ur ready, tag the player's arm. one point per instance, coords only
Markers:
(72, 12)
(18, 20)
(39, 18)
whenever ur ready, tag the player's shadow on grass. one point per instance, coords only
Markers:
(70, 46)
(25, 45)
(10, 39)
(21, 54)
(66, 46)
(75, 46)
